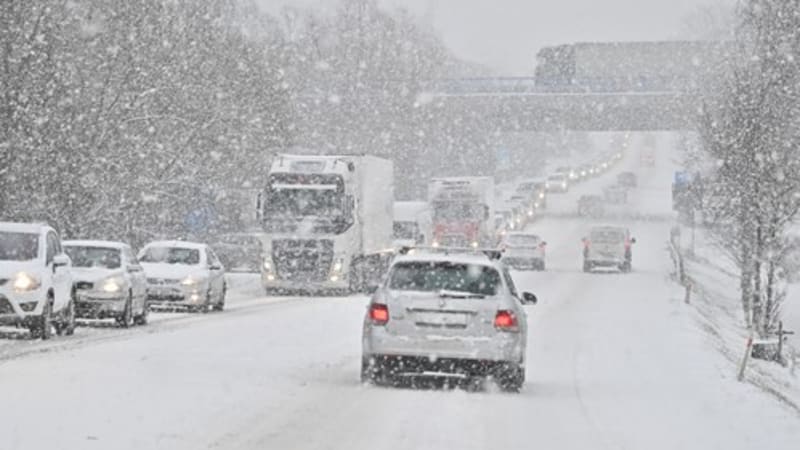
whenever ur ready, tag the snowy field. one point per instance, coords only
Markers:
(614, 362)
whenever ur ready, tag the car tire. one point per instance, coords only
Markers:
(143, 318)
(511, 378)
(587, 266)
(44, 324)
(208, 305)
(67, 324)
(371, 371)
(220, 305)
(126, 319)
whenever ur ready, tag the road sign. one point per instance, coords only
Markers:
(198, 220)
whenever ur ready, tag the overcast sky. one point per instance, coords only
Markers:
(505, 34)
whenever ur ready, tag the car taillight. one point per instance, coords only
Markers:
(378, 313)
(506, 321)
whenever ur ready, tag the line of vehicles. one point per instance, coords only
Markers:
(46, 284)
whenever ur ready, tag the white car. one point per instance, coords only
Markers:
(35, 280)
(557, 183)
(183, 275)
(442, 315)
(523, 251)
(109, 282)
(608, 247)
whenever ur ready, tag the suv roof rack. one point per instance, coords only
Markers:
(493, 254)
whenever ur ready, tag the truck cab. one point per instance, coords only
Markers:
(326, 220)
(463, 211)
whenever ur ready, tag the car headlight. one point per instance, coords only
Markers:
(25, 282)
(192, 281)
(267, 266)
(338, 265)
(474, 244)
(112, 285)
(435, 244)
(541, 194)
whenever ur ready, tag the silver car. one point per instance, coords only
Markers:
(446, 315)
(109, 282)
(608, 247)
(523, 251)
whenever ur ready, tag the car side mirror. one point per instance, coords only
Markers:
(61, 260)
(544, 244)
(529, 298)
(633, 240)
(215, 267)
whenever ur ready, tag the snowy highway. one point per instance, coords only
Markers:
(614, 362)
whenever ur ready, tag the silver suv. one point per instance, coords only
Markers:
(608, 247)
(447, 315)
(35, 280)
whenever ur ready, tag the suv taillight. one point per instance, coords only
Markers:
(506, 321)
(378, 313)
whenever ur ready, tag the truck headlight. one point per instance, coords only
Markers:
(338, 265)
(25, 282)
(435, 244)
(112, 285)
(474, 244)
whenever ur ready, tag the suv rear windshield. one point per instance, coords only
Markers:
(436, 276)
(18, 246)
(171, 255)
(103, 257)
(607, 236)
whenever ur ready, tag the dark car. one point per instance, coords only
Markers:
(627, 179)
(591, 206)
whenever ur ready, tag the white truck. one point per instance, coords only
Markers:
(463, 211)
(327, 223)
(412, 223)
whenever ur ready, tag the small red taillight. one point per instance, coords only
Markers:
(505, 320)
(378, 313)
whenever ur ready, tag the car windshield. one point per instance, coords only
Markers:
(611, 236)
(18, 246)
(171, 255)
(90, 257)
(523, 240)
(437, 276)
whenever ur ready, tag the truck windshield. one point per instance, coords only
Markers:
(405, 230)
(458, 211)
(436, 276)
(306, 202)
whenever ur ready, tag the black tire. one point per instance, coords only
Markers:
(208, 305)
(511, 378)
(43, 329)
(126, 319)
(371, 372)
(67, 323)
(220, 305)
(587, 266)
(143, 318)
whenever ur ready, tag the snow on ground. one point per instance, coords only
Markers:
(614, 361)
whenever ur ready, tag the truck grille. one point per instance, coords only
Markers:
(302, 259)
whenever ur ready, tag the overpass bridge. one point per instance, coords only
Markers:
(522, 104)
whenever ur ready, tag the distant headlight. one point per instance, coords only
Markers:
(112, 285)
(25, 282)
(337, 266)
(541, 194)
(435, 244)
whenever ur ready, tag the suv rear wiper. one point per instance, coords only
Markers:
(444, 293)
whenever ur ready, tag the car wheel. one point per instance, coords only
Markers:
(44, 327)
(143, 318)
(511, 377)
(208, 305)
(587, 266)
(220, 305)
(67, 325)
(126, 320)
(371, 371)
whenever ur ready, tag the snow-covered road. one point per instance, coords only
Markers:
(614, 362)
